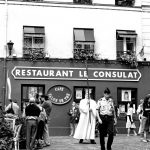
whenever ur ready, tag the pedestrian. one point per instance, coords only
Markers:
(41, 124)
(32, 112)
(74, 117)
(140, 114)
(130, 125)
(145, 119)
(47, 105)
(12, 108)
(86, 127)
(107, 119)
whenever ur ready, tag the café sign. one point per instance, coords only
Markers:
(66, 73)
(59, 94)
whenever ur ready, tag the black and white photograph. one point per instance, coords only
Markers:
(75, 74)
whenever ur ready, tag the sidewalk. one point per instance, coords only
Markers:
(121, 142)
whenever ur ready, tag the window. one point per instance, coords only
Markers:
(30, 91)
(126, 96)
(33, 45)
(79, 93)
(83, 43)
(126, 42)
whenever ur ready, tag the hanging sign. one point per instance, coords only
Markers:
(59, 73)
(59, 94)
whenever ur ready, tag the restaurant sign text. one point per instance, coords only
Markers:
(59, 73)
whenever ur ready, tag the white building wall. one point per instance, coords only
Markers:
(59, 21)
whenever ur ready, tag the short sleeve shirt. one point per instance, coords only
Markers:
(105, 107)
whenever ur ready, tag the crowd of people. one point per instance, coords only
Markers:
(36, 114)
(85, 117)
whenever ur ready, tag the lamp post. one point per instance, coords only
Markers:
(10, 47)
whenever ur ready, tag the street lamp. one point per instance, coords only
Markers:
(10, 47)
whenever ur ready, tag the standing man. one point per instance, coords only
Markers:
(32, 112)
(86, 127)
(47, 105)
(107, 119)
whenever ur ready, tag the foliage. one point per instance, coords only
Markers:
(83, 54)
(6, 136)
(130, 58)
(125, 3)
(83, 1)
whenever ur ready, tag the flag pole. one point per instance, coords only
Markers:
(86, 64)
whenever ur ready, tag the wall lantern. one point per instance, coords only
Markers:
(10, 47)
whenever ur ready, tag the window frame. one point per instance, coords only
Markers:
(34, 49)
(26, 100)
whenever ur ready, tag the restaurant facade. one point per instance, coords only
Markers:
(64, 54)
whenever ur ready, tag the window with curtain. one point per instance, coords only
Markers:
(33, 41)
(125, 42)
(83, 43)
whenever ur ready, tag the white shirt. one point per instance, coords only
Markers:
(14, 106)
(106, 107)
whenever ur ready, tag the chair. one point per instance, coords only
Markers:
(11, 122)
(16, 136)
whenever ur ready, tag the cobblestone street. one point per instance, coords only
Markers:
(121, 142)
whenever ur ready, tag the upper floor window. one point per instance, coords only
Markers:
(83, 1)
(83, 43)
(34, 38)
(126, 42)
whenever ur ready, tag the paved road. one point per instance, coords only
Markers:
(121, 142)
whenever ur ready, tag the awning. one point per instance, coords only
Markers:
(126, 33)
(34, 30)
(84, 35)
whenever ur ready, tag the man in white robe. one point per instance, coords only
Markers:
(86, 127)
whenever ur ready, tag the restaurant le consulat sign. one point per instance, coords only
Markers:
(59, 73)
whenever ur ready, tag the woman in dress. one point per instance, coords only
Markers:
(130, 125)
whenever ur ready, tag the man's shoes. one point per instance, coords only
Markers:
(93, 142)
(81, 141)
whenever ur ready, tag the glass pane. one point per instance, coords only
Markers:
(27, 42)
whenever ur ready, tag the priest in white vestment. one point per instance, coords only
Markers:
(86, 127)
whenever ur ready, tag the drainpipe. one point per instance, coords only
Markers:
(5, 54)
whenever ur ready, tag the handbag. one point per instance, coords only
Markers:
(10, 110)
(133, 125)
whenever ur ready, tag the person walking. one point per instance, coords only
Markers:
(32, 112)
(86, 127)
(145, 119)
(107, 119)
(140, 114)
(130, 125)
(47, 105)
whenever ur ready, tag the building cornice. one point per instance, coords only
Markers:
(72, 5)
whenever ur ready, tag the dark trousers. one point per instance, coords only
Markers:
(31, 132)
(40, 130)
(106, 128)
